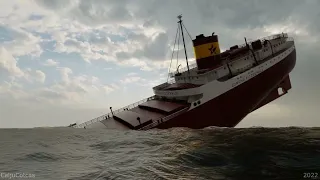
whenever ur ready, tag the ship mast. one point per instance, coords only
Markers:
(184, 45)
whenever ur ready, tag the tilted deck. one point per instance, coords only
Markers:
(146, 112)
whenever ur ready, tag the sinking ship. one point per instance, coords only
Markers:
(220, 89)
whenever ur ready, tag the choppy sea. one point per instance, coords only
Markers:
(178, 153)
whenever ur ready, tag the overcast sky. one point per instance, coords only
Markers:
(68, 61)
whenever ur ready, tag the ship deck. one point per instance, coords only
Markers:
(145, 113)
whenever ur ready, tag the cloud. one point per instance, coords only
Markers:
(108, 89)
(51, 62)
(52, 94)
(40, 76)
(8, 64)
(132, 74)
(75, 89)
(146, 38)
(131, 79)
(56, 4)
(22, 42)
(65, 71)
(154, 50)
(85, 11)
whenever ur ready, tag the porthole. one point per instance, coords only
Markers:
(195, 104)
(199, 102)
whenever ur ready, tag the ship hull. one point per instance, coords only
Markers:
(228, 109)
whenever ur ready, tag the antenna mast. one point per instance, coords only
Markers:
(185, 51)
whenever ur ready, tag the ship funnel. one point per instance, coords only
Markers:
(205, 50)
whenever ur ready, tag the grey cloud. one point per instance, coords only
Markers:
(72, 42)
(101, 37)
(206, 16)
(149, 23)
(137, 37)
(123, 56)
(100, 12)
(54, 5)
(205, 13)
(155, 50)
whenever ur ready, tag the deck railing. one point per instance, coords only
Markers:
(274, 36)
(103, 117)
(184, 69)
(194, 65)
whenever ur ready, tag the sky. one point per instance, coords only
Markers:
(68, 61)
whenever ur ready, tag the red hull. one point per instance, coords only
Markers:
(228, 109)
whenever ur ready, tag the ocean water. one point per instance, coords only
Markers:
(177, 153)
